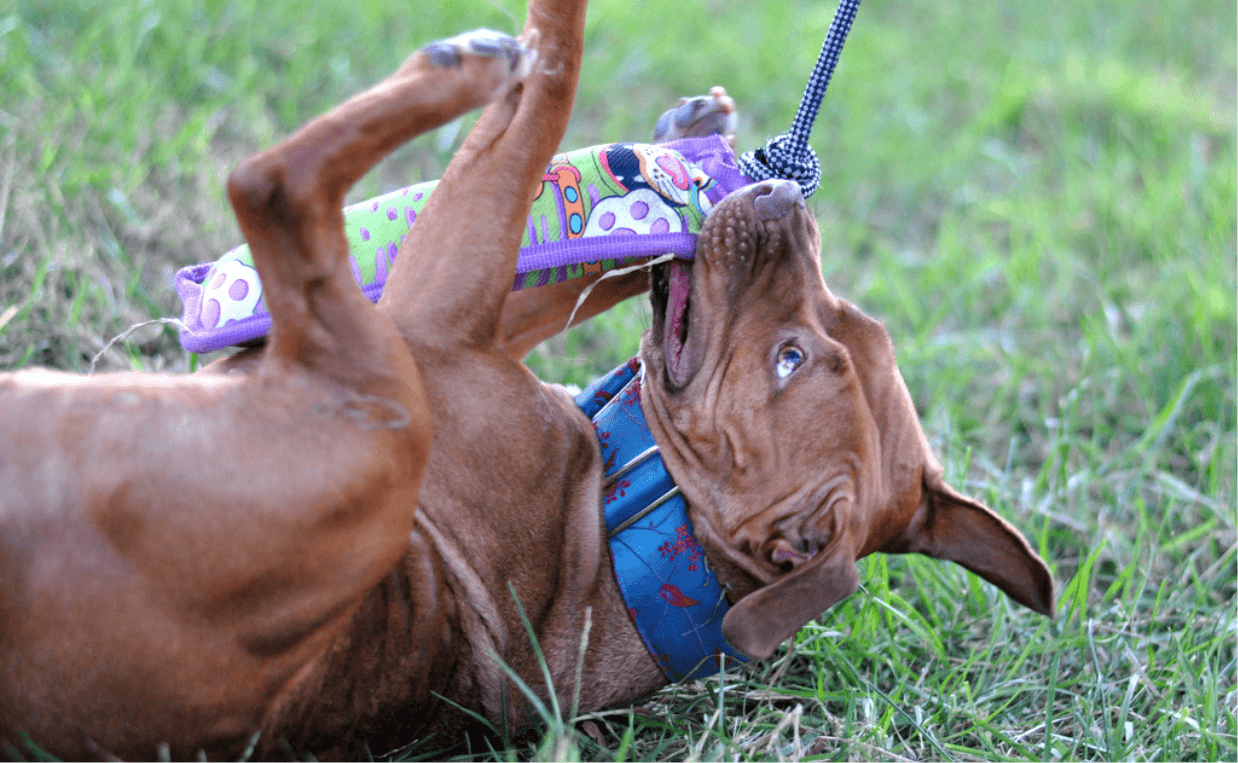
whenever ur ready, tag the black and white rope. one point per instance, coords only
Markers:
(788, 156)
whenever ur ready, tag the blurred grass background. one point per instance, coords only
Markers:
(1037, 198)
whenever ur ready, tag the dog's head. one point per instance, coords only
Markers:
(783, 418)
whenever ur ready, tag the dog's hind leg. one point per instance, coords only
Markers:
(301, 184)
(288, 199)
(179, 558)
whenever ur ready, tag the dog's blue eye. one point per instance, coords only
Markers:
(789, 359)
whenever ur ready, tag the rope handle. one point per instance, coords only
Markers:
(788, 156)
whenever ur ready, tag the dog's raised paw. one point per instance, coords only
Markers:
(702, 115)
(452, 51)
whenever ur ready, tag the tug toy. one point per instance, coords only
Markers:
(598, 209)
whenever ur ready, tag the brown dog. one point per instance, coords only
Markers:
(332, 575)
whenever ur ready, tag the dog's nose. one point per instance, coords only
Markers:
(774, 198)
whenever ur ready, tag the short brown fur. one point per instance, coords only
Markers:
(331, 573)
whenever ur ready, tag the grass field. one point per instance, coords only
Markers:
(1037, 198)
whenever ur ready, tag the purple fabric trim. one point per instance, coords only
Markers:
(715, 157)
(188, 285)
(231, 333)
(580, 250)
(197, 338)
(556, 254)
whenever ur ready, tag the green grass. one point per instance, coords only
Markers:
(1037, 198)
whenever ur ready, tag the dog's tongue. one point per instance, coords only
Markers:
(678, 351)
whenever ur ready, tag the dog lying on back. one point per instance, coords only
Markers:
(392, 494)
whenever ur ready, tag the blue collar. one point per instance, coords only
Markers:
(672, 595)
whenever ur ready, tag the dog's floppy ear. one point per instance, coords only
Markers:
(765, 618)
(960, 530)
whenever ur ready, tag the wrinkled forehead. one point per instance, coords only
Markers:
(865, 337)
(791, 297)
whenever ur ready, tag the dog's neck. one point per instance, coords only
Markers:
(672, 595)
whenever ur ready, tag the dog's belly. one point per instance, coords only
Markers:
(376, 684)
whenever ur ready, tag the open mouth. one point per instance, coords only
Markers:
(732, 234)
(670, 289)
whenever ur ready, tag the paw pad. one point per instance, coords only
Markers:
(480, 42)
(712, 114)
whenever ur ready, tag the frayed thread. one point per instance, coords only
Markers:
(614, 274)
(127, 332)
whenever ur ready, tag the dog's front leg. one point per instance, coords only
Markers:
(455, 268)
(532, 316)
